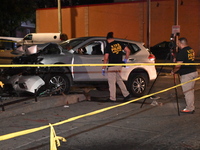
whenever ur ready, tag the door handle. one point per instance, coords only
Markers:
(131, 59)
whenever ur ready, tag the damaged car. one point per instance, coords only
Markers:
(76, 52)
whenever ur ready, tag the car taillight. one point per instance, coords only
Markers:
(151, 57)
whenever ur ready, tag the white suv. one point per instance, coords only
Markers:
(84, 50)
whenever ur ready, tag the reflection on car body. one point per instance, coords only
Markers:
(84, 50)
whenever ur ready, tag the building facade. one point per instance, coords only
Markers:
(127, 20)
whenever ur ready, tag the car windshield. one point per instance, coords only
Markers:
(71, 43)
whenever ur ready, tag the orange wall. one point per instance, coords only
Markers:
(126, 20)
(189, 19)
(162, 19)
(125, 23)
(46, 21)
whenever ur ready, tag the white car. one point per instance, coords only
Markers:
(84, 50)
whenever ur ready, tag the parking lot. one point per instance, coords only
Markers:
(155, 125)
(54, 92)
(126, 127)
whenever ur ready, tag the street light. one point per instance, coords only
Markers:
(59, 17)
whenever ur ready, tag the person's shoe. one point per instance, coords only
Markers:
(187, 111)
(127, 98)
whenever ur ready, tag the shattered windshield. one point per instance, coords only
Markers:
(70, 44)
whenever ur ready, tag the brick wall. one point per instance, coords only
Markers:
(126, 20)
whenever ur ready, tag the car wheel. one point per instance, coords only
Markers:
(137, 84)
(57, 83)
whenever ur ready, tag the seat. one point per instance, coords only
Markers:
(96, 50)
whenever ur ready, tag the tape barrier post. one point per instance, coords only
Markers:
(176, 92)
(52, 138)
(1, 84)
(1, 100)
(55, 140)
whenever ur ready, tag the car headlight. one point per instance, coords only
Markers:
(39, 60)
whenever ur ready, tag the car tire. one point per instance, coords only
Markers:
(57, 83)
(137, 84)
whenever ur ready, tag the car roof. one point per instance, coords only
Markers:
(103, 38)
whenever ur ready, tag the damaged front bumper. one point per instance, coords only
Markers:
(20, 83)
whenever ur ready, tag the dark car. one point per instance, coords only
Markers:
(161, 50)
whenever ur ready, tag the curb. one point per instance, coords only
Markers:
(42, 103)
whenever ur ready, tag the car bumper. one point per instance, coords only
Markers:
(25, 83)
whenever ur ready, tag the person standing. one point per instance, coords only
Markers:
(187, 72)
(113, 54)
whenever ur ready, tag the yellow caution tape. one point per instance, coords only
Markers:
(122, 104)
(20, 133)
(8, 41)
(127, 64)
(1, 84)
(55, 140)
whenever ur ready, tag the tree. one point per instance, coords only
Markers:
(13, 13)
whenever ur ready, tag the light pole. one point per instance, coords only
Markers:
(175, 12)
(176, 19)
(59, 17)
(148, 22)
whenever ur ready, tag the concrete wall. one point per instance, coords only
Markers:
(126, 20)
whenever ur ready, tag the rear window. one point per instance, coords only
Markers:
(133, 47)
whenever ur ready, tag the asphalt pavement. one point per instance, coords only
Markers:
(155, 126)
(129, 127)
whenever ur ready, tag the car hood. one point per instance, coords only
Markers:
(26, 59)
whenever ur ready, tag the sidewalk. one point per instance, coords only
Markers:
(42, 104)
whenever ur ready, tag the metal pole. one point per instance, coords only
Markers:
(59, 17)
(148, 22)
(175, 12)
(176, 48)
(176, 22)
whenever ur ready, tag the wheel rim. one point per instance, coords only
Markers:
(139, 85)
(57, 84)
